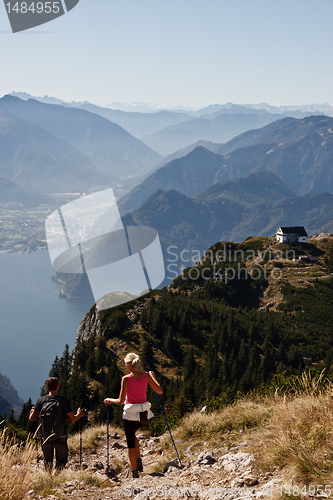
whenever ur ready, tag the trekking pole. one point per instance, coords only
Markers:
(158, 399)
(80, 443)
(107, 441)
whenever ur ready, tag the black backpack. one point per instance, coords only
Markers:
(51, 417)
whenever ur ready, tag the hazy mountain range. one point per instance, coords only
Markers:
(109, 151)
(300, 152)
(40, 161)
(325, 108)
(228, 211)
(221, 128)
(254, 205)
(139, 124)
(211, 189)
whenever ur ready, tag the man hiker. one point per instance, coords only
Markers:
(53, 410)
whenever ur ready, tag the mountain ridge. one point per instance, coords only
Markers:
(196, 222)
(113, 150)
(298, 151)
(35, 159)
(222, 128)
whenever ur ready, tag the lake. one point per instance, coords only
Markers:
(35, 323)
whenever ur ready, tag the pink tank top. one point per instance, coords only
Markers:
(136, 390)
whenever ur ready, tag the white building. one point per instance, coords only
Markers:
(296, 234)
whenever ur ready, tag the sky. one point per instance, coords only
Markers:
(181, 52)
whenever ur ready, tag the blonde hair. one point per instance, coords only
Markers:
(132, 359)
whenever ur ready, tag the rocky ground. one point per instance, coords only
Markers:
(227, 472)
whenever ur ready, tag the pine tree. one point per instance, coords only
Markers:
(147, 354)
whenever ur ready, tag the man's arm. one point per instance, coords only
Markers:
(33, 414)
(74, 418)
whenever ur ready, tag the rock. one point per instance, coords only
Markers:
(115, 436)
(195, 469)
(206, 458)
(96, 466)
(30, 494)
(170, 465)
(73, 484)
(118, 446)
(237, 462)
(250, 480)
(237, 483)
(113, 470)
(148, 452)
(89, 325)
(142, 437)
(105, 480)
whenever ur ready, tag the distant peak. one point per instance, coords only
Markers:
(9, 97)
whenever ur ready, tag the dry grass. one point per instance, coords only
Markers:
(292, 432)
(18, 473)
(15, 470)
(240, 416)
(43, 483)
(300, 438)
(90, 437)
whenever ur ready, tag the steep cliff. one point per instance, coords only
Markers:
(91, 324)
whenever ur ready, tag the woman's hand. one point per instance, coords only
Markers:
(107, 401)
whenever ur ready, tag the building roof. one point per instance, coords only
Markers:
(294, 229)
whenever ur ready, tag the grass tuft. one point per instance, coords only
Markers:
(240, 416)
(90, 437)
(301, 437)
(15, 470)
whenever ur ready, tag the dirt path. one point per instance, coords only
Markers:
(218, 473)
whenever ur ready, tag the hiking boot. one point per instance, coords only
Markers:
(139, 466)
(135, 473)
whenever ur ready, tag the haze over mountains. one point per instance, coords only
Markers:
(230, 211)
(292, 110)
(221, 128)
(110, 151)
(40, 161)
(11, 192)
(139, 124)
(264, 177)
(300, 152)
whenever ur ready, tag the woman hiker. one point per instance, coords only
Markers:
(136, 410)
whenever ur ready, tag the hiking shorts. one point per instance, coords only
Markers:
(130, 426)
